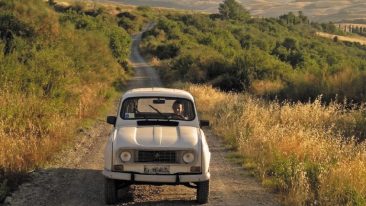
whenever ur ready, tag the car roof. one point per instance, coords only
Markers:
(158, 91)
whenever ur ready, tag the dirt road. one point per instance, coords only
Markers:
(361, 40)
(75, 177)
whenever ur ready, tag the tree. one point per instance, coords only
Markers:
(231, 9)
(51, 2)
(290, 43)
(288, 51)
(304, 19)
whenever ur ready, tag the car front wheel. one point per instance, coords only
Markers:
(110, 191)
(203, 189)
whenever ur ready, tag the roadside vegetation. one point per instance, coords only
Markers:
(56, 70)
(269, 57)
(60, 64)
(289, 102)
(308, 151)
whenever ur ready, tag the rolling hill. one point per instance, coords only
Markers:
(317, 10)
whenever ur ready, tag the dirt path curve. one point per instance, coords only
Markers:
(145, 76)
(75, 177)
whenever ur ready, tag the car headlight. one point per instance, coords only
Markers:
(125, 156)
(188, 157)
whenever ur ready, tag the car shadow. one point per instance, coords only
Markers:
(167, 202)
(69, 186)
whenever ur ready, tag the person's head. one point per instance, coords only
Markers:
(178, 107)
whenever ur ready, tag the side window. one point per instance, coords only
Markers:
(129, 108)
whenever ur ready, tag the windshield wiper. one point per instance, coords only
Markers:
(140, 113)
(163, 115)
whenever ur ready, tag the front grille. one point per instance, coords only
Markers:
(157, 156)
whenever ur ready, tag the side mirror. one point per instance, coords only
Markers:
(111, 120)
(204, 123)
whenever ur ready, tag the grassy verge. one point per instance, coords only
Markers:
(306, 151)
(57, 69)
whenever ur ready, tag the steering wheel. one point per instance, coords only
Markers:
(179, 116)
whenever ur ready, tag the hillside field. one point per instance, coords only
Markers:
(317, 10)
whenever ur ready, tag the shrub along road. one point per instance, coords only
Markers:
(75, 177)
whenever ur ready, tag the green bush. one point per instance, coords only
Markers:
(167, 51)
(283, 50)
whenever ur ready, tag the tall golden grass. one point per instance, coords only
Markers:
(54, 80)
(306, 151)
(33, 133)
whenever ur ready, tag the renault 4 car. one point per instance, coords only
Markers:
(156, 139)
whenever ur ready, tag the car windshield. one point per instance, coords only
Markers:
(157, 108)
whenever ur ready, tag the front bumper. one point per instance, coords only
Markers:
(173, 178)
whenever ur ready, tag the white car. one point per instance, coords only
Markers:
(156, 140)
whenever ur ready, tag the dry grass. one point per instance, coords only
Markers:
(265, 87)
(306, 151)
(56, 88)
(31, 130)
(361, 40)
(33, 133)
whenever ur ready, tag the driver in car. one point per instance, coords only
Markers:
(178, 109)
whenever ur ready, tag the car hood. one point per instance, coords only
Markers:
(146, 137)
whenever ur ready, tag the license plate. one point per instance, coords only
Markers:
(155, 169)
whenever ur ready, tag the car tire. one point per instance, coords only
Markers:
(110, 191)
(203, 189)
(123, 189)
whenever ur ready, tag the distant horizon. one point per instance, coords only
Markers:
(316, 10)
